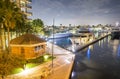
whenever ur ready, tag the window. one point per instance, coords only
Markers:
(37, 48)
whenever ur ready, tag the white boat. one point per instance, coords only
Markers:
(81, 38)
(60, 35)
(75, 47)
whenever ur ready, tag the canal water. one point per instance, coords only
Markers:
(63, 42)
(98, 61)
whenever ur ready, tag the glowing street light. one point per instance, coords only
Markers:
(46, 57)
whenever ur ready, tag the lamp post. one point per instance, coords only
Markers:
(53, 43)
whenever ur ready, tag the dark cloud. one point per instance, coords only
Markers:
(77, 11)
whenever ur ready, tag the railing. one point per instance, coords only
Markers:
(29, 13)
(28, 6)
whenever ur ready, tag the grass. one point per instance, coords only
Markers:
(32, 63)
(16, 70)
(28, 66)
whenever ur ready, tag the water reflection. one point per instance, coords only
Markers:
(109, 38)
(114, 44)
(73, 74)
(99, 62)
(118, 53)
(88, 53)
(100, 43)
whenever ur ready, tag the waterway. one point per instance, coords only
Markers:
(73, 42)
(63, 42)
(98, 61)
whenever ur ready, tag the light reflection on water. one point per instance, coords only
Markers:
(118, 52)
(98, 61)
(101, 62)
(88, 53)
(115, 46)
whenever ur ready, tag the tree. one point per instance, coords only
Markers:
(2, 11)
(10, 14)
(20, 26)
(28, 27)
(38, 26)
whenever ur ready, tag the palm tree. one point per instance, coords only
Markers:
(11, 14)
(20, 26)
(2, 11)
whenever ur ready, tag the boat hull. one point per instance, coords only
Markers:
(115, 35)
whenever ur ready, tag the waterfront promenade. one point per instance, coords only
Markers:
(59, 69)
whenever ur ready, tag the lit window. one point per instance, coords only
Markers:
(37, 48)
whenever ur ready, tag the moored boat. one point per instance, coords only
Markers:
(60, 35)
(115, 34)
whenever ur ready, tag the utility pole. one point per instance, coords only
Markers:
(53, 43)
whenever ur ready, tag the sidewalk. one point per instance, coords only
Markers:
(62, 67)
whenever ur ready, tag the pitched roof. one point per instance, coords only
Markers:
(27, 39)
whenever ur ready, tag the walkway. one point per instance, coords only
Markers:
(61, 69)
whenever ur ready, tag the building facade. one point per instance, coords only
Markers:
(25, 7)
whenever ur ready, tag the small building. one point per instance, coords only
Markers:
(28, 45)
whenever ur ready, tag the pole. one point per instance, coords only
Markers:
(53, 43)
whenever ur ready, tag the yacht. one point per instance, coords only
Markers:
(60, 35)
(80, 38)
(115, 33)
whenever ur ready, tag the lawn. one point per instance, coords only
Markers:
(32, 63)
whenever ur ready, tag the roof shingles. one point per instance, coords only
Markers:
(27, 39)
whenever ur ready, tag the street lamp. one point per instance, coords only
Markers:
(53, 42)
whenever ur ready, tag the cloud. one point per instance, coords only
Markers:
(76, 10)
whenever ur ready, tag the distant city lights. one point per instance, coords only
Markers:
(117, 23)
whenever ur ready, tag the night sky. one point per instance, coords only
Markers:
(76, 12)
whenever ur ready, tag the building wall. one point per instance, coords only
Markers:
(28, 52)
(16, 50)
(24, 6)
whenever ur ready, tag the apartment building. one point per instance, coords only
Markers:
(25, 7)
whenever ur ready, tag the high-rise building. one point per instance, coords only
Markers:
(25, 6)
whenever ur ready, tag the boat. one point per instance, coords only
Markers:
(60, 35)
(80, 38)
(83, 30)
(115, 33)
